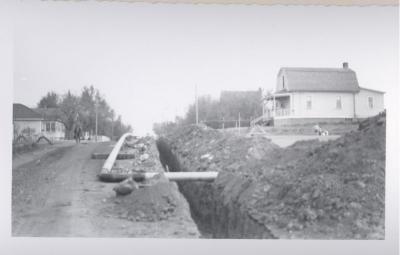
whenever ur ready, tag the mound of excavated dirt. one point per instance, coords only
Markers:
(312, 189)
(148, 200)
(143, 157)
(155, 202)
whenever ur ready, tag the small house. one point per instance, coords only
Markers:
(52, 124)
(39, 122)
(312, 95)
(26, 121)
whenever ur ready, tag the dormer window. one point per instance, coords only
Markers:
(283, 82)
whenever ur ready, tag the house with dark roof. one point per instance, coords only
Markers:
(26, 121)
(312, 95)
(38, 122)
(52, 123)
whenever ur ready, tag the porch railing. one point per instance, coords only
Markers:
(282, 112)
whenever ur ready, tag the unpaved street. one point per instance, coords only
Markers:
(59, 194)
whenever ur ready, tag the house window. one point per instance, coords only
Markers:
(309, 103)
(339, 103)
(283, 82)
(370, 102)
(47, 126)
(53, 127)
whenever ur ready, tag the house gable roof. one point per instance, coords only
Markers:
(22, 112)
(320, 79)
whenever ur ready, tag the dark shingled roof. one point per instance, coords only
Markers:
(320, 79)
(23, 112)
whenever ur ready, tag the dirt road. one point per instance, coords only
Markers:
(59, 194)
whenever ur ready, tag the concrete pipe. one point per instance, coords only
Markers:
(108, 165)
(179, 176)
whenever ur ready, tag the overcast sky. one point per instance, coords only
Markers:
(147, 58)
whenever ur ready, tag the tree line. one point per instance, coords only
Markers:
(219, 113)
(81, 109)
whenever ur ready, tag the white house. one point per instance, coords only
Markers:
(312, 95)
(36, 123)
(26, 121)
(52, 125)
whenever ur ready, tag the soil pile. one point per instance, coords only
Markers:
(150, 203)
(150, 200)
(143, 157)
(312, 189)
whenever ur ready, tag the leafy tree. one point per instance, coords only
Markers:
(71, 108)
(247, 103)
(82, 109)
(227, 108)
(120, 128)
(87, 109)
(51, 100)
(208, 110)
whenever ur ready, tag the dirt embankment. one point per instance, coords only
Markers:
(155, 202)
(310, 190)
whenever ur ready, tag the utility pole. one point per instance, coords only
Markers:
(112, 128)
(112, 125)
(96, 106)
(197, 105)
(239, 122)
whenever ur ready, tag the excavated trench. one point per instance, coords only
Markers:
(216, 207)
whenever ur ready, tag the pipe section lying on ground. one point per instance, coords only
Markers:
(113, 155)
(107, 175)
(179, 176)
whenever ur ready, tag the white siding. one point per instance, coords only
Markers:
(323, 105)
(363, 109)
(59, 132)
(38, 128)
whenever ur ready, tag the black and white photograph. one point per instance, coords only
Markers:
(206, 121)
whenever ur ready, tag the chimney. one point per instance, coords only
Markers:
(345, 65)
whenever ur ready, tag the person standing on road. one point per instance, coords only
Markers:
(77, 133)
